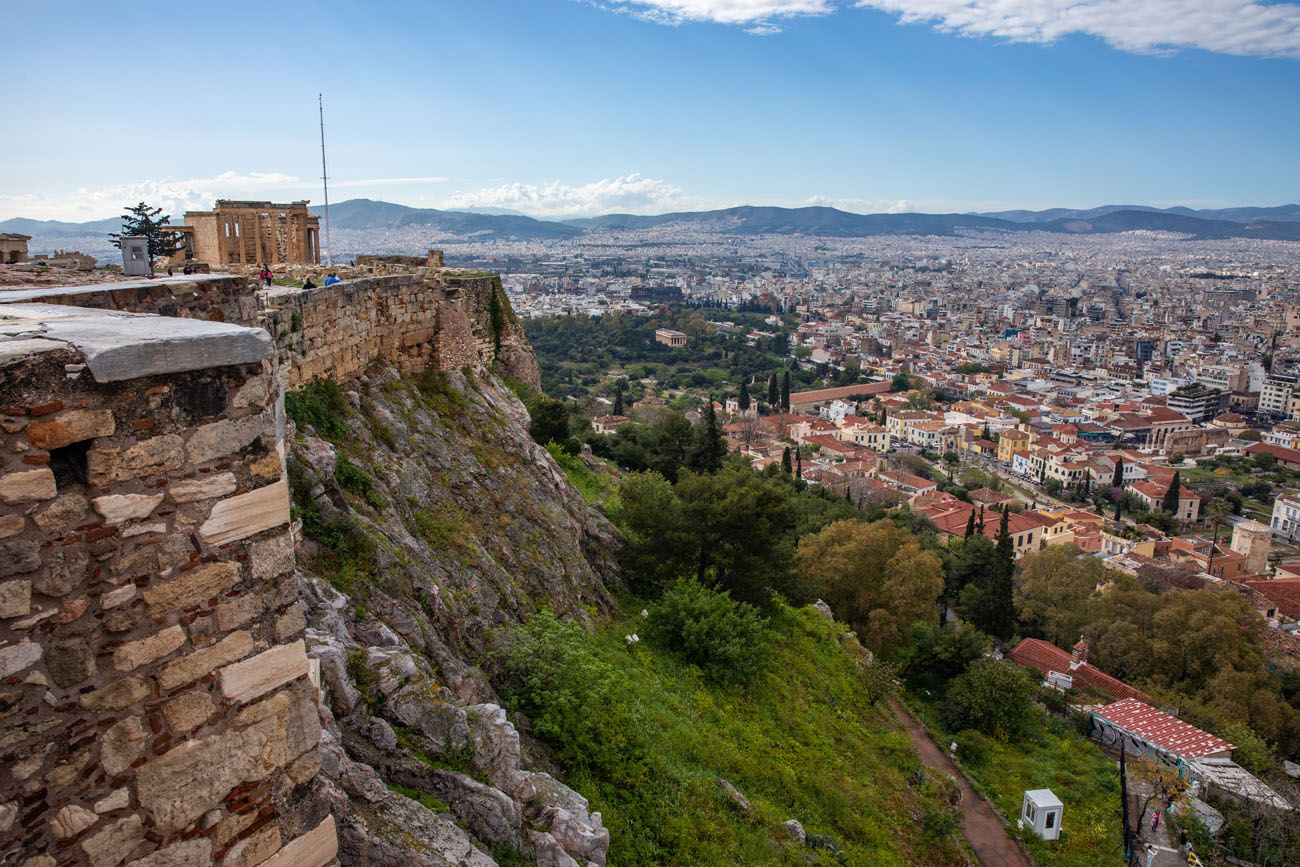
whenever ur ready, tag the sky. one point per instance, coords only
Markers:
(565, 108)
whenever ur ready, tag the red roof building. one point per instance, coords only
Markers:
(1047, 657)
(1166, 734)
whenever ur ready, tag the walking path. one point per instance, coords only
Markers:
(979, 824)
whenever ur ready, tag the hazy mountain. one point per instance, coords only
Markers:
(58, 228)
(1285, 213)
(369, 214)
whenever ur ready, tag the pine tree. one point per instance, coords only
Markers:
(787, 463)
(970, 524)
(744, 397)
(707, 447)
(143, 221)
(1117, 480)
(785, 391)
(773, 391)
(1170, 502)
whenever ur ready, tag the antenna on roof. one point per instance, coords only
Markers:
(325, 179)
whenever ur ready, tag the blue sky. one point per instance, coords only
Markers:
(570, 107)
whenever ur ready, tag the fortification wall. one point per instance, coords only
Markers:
(158, 704)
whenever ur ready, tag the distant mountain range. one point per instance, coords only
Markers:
(1276, 223)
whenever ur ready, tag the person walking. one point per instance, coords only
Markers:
(265, 275)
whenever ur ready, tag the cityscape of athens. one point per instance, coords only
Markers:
(650, 433)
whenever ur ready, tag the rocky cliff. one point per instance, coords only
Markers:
(430, 521)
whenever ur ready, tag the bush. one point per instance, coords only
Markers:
(320, 404)
(357, 481)
(725, 638)
(973, 747)
(994, 697)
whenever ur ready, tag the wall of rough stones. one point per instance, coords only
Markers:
(158, 704)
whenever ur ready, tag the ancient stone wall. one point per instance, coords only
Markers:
(158, 704)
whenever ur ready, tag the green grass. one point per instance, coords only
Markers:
(421, 797)
(1059, 758)
(595, 487)
(801, 741)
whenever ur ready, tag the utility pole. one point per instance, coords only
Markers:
(325, 179)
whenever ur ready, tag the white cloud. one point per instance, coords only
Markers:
(632, 193)
(1243, 27)
(863, 206)
(756, 15)
(176, 196)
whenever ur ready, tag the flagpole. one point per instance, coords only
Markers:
(325, 180)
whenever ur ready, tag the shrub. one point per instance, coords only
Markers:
(973, 747)
(320, 404)
(355, 480)
(727, 639)
(994, 697)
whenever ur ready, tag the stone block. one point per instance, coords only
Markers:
(71, 427)
(247, 514)
(316, 848)
(16, 657)
(11, 525)
(188, 711)
(190, 779)
(120, 595)
(188, 853)
(246, 680)
(190, 668)
(253, 849)
(115, 843)
(72, 820)
(63, 514)
(71, 663)
(120, 508)
(239, 611)
(29, 486)
(290, 623)
(15, 598)
(116, 696)
(122, 744)
(254, 393)
(134, 654)
(227, 436)
(271, 558)
(203, 488)
(119, 799)
(191, 588)
(19, 556)
(151, 457)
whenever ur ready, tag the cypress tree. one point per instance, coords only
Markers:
(618, 400)
(1170, 502)
(798, 464)
(970, 524)
(787, 463)
(707, 448)
(1000, 611)
(785, 391)
(773, 391)
(1117, 480)
(744, 397)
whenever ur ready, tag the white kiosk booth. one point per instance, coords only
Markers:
(1042, 812)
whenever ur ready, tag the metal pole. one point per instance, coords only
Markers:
(325, 179)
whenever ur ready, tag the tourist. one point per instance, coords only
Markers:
(307, 284)
(265, 275)
(332, 279)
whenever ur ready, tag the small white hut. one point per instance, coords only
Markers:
(1042, 812)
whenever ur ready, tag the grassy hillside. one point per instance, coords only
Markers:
(646, 738)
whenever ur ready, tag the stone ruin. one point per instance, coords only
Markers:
(159, 707)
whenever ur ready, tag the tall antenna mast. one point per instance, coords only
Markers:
(325, 179)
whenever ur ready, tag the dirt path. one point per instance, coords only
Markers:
(979, 824)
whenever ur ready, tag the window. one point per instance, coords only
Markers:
(1050, 820)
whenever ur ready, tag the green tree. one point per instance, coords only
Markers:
(707, 447)
(145, 222)
(744, 397)
(1117, 480)
(785, 391)
(1215, 511)
(993, 697)
(1170, 501)
(874, 576)
(787, 466)
(990, 604)
(550, 422)
(618, 399)
(970, 525)
(773, 391)
(937, 655)
(900, 382)
(1053, 592)
(654, 531)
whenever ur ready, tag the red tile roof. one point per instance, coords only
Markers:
(1282, 592)
(1163, 731)
(1045, 656)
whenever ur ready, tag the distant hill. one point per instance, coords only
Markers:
(370, 214)
(1282, 213)
(58, 228)
(367, 215)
